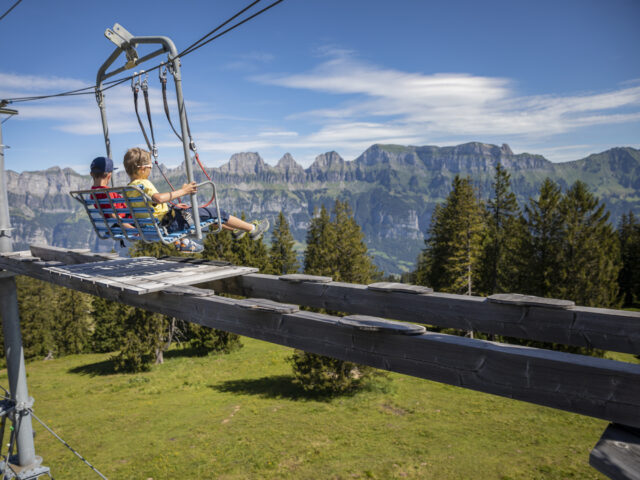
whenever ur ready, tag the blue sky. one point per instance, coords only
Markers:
(560, 78)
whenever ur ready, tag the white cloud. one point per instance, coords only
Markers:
(380, 104)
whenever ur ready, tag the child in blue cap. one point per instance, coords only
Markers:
(101, 170)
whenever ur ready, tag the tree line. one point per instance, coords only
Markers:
(558, 245)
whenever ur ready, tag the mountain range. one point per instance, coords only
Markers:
(391, 188)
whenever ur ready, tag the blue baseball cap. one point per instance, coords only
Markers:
(102, 165)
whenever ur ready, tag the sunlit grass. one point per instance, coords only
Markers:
(238, 416)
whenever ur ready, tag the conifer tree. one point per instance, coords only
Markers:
(590, 258)
(143, 341)
(501, 259)
(37, 319)
(108, 320)
(543, 242)
(353, 264)
(335, 249)
(320, 256)
(251, 253)
(146, 335)
(629, 278)
(72, 319)
(452, 249)
(282, 256)
(218, 246)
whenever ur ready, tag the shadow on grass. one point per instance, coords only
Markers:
(276, 386)
(184, 352)
(106, 367)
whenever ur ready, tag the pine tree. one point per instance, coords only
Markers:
(282, 256)
(221, 246)
(543, 242)
(205, 340)
(147, 335)
(353, 264)
(72, 318)
(251, 253)
(218, 246)
(108, 320)
(37, 319)
(335, 249)
(452, 249)
(501, 260)
(143, 341)
(320, 256)
(590, 258)
(629, 278)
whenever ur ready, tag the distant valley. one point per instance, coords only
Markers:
(391, 188)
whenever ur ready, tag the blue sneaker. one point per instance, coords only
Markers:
(188, 246)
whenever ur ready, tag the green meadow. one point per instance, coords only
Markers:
(238, 416)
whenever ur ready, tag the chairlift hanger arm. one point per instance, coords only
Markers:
(167, 47)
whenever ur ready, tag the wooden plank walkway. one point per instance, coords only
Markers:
(141, 275)
(590, 386)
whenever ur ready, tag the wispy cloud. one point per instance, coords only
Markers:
(375, 104)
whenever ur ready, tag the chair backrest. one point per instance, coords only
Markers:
(122, 213)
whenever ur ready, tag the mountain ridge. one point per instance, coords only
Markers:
(391, 188)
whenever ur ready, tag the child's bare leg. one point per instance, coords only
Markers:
(235, 223)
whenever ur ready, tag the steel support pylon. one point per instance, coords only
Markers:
(25, 464)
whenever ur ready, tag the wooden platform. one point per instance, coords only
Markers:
(142, 275)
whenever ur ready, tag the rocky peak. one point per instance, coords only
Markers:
(328, 161)
(246, 163)
(288, 163)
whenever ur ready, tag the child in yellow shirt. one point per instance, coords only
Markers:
(137, 163)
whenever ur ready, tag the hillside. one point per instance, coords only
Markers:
(392, 189)
(238, 416)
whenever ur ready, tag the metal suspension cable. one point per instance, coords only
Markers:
(90, 90)
(135, 86)
(12, 7)
(230, 19)
(224, 32)
(67, 445)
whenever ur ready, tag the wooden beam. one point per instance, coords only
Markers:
(614, 330)
(586, 385)
(69, 256)
(617, 453)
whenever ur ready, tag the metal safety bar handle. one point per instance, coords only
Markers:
(215, 198)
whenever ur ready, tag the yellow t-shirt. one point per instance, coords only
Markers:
(159, 209)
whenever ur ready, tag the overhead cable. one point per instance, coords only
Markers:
(90, 90)
(12, 7)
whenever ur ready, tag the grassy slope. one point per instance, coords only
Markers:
(238, 416)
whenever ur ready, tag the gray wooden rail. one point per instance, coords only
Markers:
(590, 386)
(539, 319)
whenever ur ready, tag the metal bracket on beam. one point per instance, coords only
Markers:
(299, 278)
(400, 287)
(382, 325)
(530, 301)
(122, 39)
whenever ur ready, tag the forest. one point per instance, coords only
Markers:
(558, 245)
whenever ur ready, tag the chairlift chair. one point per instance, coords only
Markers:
(139, 223)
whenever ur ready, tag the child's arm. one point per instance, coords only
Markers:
(165, 197)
